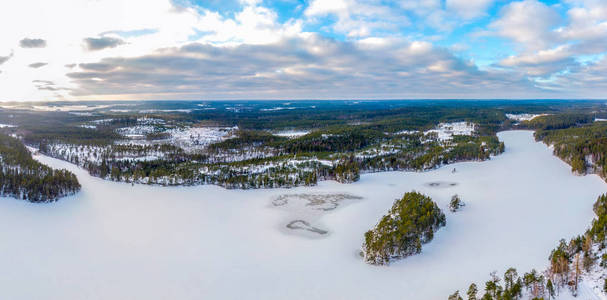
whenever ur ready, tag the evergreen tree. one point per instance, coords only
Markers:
(550, 289)
(472, 291)
(411, 222)
(456, 203)
(455, 296)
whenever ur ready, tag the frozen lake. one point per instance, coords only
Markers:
(117, 241)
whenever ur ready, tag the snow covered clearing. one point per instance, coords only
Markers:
(197, 138)
(117, 241)
(407, 132)
(276, 108)
(523, 117)
(292, 133)
(446, 131)
(88, 126)
(7, 126)
(150, 111)
(82, 114)
(139, 131)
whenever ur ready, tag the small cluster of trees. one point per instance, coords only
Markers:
(411, 222)
(347, 170)
(514, 287)
(456, 203)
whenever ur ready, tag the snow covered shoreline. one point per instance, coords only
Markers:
(117, 241)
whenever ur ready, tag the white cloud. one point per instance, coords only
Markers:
(587, 26)
(145, 49)
(65, 26)
(300, 67)
(542, 63)
(469, 9)
(529, 23)
(357, 18)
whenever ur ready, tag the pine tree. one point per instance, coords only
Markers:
(455, 296)
(550, 289)
(472, 291)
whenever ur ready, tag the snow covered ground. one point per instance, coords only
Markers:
(292, 133)
(523, 117)
(446, 131)
(139, 131)
(197, 138)
(117, 241)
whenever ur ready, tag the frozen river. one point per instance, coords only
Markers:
(117, 241)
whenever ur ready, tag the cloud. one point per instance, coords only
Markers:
(37, 65)
(529, 23)
(469, 9)
(310, 67)
(583, 79)
(32, 43)
(542, 63)
(587, 26)
(319, 49)
(357, 18)
(94, 44)
(4, 59)
(47, 85)
(550, 46)
(102, 67)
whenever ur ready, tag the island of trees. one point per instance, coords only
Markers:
(410, 223)
(24, 178)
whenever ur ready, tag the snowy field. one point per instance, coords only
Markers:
(292, 133)
(446, 131)
(198, 138)
(117, 241)
(523, 117)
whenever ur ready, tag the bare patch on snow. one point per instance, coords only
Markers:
(306, 210)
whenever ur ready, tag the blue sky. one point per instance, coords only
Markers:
(304, 49)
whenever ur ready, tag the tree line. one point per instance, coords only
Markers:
(567, 264)
(22, 177)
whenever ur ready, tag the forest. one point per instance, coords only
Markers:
(583, 147)
(343, 138)
(22, 177)
(410, 223)
(277, 165)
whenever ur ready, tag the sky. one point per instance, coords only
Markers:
(302, 49)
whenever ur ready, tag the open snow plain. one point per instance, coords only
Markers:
(117, 241)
